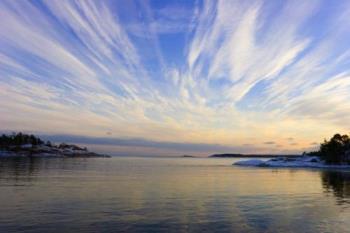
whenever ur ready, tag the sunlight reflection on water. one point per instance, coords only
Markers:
(169, 195)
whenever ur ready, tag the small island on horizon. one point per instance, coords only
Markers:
(238, 155)
(30, 146)
(188, 156)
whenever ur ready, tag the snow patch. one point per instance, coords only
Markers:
(302, 162)
(250, 162)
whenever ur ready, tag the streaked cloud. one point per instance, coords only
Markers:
(194, 73)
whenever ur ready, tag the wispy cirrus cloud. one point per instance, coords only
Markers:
(207, 72)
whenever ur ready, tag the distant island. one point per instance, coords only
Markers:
(333, 153)
(24, 145)
(249, 155)
(188, 156)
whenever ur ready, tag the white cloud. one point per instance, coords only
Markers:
(77, 69)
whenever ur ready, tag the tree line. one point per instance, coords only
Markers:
(334, 151)
(18, 139)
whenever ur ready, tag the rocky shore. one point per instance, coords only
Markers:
(62, 150)
(25, 145)
(297, 162)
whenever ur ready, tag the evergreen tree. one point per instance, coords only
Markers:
(334, 151)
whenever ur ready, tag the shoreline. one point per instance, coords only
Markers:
(284, 162)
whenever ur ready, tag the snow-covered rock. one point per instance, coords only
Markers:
(6, 153)
(250, 162)
(304, 161)
(26, 146)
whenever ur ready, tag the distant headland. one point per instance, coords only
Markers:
(24, 145)
(250, 155)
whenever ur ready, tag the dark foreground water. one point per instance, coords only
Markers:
(169, 195)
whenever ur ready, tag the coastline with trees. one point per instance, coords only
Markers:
(25, 145)
(333, 153)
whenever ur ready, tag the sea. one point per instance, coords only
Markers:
(167, 194)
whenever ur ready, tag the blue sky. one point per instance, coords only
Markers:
(177, 76)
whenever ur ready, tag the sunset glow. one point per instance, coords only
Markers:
(167, 77)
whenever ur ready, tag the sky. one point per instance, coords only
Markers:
(171, 77)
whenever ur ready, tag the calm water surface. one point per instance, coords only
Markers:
(169, 195)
